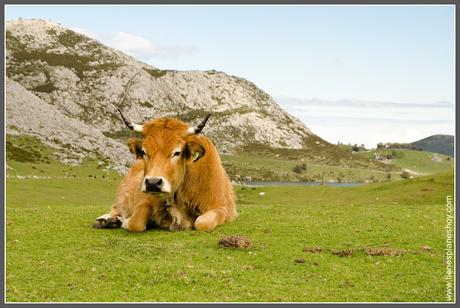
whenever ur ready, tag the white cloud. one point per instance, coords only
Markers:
(137, 46)
(134, 45)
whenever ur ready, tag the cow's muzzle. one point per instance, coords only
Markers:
(155, 185)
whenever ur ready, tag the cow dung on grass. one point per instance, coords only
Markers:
(234, 241)
(342, 253)
(383, 252)
(312, 249)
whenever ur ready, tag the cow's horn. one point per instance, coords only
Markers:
(135, 127)
(199, 128)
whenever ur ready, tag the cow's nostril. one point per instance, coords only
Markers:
(159, 183)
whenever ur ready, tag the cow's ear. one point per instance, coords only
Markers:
(135, 147)
(193, 151)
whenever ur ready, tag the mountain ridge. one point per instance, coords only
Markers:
(83, 82)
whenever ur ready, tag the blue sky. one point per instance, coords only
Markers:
(358, 74)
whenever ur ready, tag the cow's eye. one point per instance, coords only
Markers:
(143, 153)
(177, 153)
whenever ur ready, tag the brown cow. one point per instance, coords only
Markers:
(184, 166)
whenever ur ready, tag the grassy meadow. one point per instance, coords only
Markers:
(377, 242)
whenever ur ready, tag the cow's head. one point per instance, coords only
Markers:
(167, 146)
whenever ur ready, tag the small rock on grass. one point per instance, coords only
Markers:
(235, 241)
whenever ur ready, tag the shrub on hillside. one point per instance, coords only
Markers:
(397, 154)
(389, 157)
(299, 169)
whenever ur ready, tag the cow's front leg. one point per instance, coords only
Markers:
(211, 219)
(180, 219)
(138, 221)
(107, 221)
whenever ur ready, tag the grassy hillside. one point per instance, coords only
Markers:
(27, 156)
(418, 161)
(278, 169)
(322, 161)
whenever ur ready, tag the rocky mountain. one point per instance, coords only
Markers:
(64, 88)
(443, 144)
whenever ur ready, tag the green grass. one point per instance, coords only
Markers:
(88, 169)
(419, 161)
(279, 169)
(53, 254)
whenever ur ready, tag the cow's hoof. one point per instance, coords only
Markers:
(107, 222)
(175, 227)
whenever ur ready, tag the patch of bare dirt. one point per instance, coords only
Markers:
(235, 241)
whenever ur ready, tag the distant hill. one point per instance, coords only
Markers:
(443, 144)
